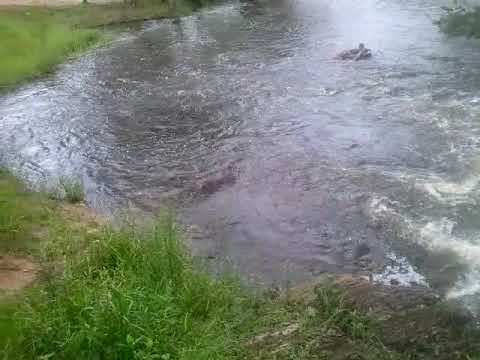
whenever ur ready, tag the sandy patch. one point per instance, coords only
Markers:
(79, 216)
(16, 273)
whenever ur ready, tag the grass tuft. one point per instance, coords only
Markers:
(72, 190)
(332, 311)
(21, 213)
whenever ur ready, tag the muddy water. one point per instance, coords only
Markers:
(288, 162)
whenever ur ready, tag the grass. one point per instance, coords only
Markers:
(21, 213)
(29, 48)
(72, 190)
(461, 22)
(129, 293)
(135, 293)
(34, 40)
(333, 328)
(332, 311)
(132, 295)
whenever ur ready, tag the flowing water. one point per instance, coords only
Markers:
(288, 162)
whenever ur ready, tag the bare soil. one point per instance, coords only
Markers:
(16, 273)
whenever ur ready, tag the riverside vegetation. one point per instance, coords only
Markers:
(134, 292)
(34, 40)
(459, 20)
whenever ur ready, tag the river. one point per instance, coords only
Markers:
(288, 162)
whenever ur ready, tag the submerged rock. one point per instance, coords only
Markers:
(361, 250)
(216, 182)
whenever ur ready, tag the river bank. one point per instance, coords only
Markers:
(34, 40)
(290, 169)
(73, 286)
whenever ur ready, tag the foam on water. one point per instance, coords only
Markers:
(469, 285)
(398, 268)
(450, 192)
(438, 235)
(401, 271)
(379, 206)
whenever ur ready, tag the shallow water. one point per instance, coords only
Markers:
(288, 162)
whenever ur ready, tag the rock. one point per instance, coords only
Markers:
(216, 182)
(394, 282)
(366, 257)
(324, 247)
(361, 250)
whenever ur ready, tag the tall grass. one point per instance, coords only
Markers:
(30, 48)
(71, 189)
(332, 311)
(21, 213)
(132, 295)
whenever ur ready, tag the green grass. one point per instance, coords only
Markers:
(22, 213)
(104, 293)
(72, 190)
(29, 48)
(133, 295)
(34, 40)
(332, 311)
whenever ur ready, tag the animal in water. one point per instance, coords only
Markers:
(356, 54)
